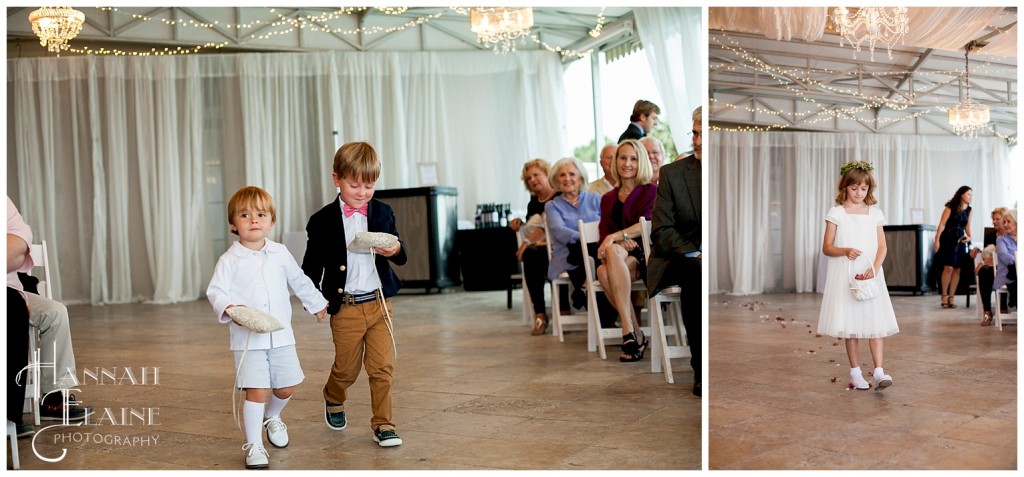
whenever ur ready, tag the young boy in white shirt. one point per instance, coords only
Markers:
(256, 272)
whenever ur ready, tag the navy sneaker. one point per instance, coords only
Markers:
(386, 438)
(334, 415)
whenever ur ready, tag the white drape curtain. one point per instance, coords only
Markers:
(672, 38)
(124, 165)
(786, 182)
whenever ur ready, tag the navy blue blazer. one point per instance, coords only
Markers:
(632, 132)
(326, 257)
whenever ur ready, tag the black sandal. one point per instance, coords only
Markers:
(631, 351)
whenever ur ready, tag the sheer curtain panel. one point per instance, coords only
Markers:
(912, 172)
(124, 164)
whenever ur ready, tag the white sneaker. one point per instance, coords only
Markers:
(255, 456)
(858, 382)
(277, 432)
(882, 381)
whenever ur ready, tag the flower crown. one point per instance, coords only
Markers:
(861, 165)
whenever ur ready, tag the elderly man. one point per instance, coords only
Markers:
(603, 184)
(676, 243)
(643, 120)
(57, 358)
(655, 151)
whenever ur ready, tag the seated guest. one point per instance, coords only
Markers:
(655, 150)
(1006, 254)
(983, 265)
(51, 317)
(603, 184)
(620, 250)
(533, 251)
(17, 358)
(676, 244)
(571, 205)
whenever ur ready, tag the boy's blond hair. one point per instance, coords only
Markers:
(251, 198)
(357, 160)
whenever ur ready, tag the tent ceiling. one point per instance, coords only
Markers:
(234, 29)
(759, 79)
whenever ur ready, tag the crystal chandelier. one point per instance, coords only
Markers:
(967, 118)
(871, 25)
(55, 26)
(500, 27)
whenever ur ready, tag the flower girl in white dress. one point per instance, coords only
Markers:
(855, 246)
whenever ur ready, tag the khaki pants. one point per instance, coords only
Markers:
(361, 337)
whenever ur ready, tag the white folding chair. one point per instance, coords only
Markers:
(559, 322)
(596, 335)
(527, 302)
(669, 300)
(1000, 317)
(12, 433)
(33, 393)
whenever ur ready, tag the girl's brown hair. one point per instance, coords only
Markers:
(855, 176)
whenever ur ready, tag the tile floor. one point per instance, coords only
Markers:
(773, 403)
(473, 391)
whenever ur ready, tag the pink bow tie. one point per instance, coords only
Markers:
(349, 210)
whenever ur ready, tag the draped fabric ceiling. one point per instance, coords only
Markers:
(784, 68)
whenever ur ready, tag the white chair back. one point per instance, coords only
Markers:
(669, 298)
(527, 302)
(42, 260)
(589, 233)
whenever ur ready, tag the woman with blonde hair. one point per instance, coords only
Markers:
(620, 250)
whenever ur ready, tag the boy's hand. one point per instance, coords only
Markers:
(320, 315)
(388, 251)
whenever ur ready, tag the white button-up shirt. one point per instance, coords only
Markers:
(260, 280)
(362, 272)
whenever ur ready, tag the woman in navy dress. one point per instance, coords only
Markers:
(952, 239)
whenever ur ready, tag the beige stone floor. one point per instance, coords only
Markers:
(473, 390)
(773, 404)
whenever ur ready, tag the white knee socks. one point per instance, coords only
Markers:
(276, 405)
(252, 416)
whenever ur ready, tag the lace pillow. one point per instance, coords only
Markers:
(255, 320)
(365, 241)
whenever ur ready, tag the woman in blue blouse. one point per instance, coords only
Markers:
(572, 204)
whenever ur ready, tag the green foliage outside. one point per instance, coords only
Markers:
(588, 152)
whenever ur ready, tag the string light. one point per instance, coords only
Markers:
(822, 114)
(286, 24)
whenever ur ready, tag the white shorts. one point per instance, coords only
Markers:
(273, 368)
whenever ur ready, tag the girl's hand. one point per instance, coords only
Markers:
(935, 247)
(868, 274)
(320, 315)
(388, 251)
(852, 253)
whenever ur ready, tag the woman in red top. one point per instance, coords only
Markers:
(620, 250)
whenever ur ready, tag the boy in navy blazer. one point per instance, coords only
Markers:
(358, 287)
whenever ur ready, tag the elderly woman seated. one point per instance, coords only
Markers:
(1006, 256)
(572, 204)
(620, 250)
(533, 251)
